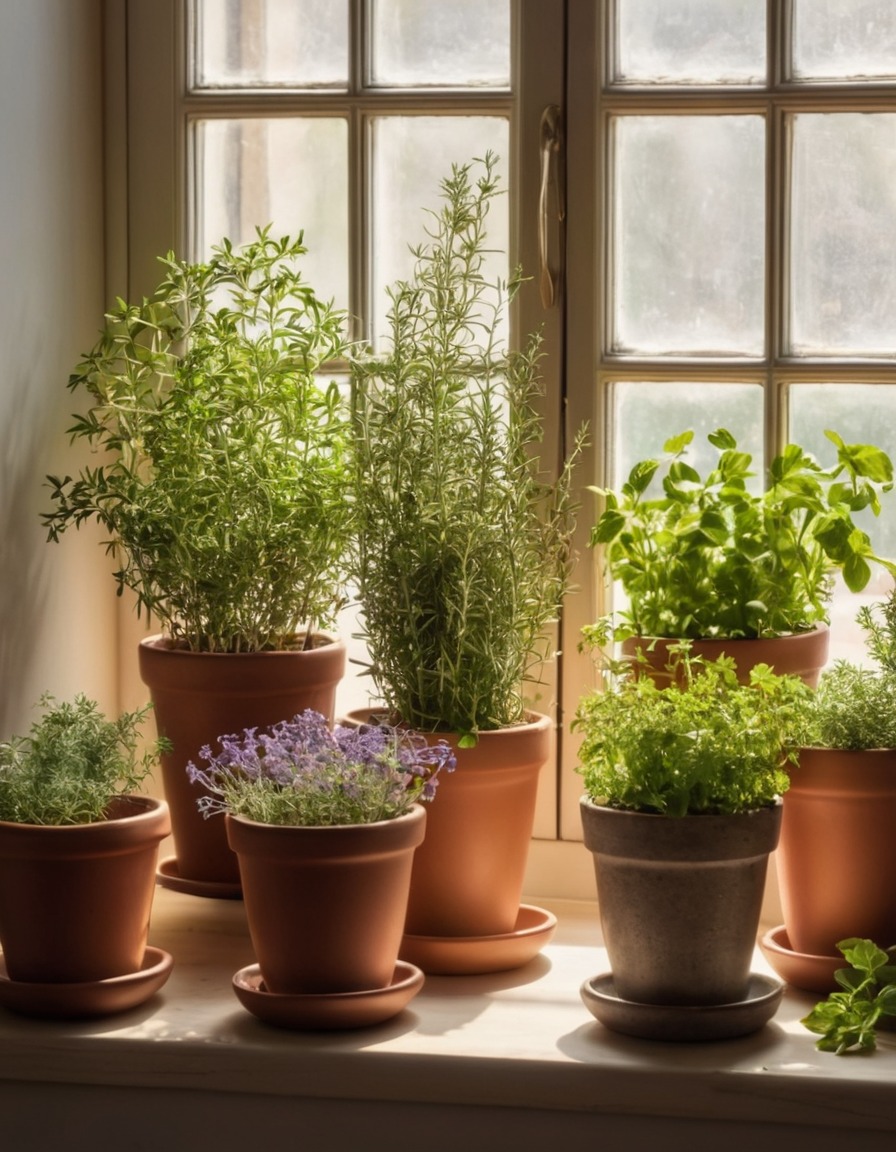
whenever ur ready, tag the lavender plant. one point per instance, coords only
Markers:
(301, 772)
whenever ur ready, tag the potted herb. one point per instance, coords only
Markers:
(709, 559)
(463, 557)
(75, 837)
(325, 824)
(682, 807)
(840, 810)
(223, 486)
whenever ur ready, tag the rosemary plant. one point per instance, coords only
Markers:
(72, 764)
(463, 551)
(223, 481)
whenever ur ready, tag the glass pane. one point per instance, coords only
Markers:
(271, 43)
(289, 172)
(412, 155)
(843, 239)
(429, 42)
(690, 41)
(861, 414)
(688, 235)
(646, 415)
(844, 39)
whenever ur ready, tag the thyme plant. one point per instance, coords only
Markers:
(463, 544)
(72, 764)
(854, 707)
(707, 557)
(221, 474)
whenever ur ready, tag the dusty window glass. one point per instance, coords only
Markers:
(431, 43)
(690, 42)
(843, 234)
(411, 156)
(290, 172)
(688, 235)
(270, 43)
(844, 39)
(647, 414)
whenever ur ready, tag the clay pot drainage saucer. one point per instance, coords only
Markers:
(327, 1010)
(168, 876)
(811, 973)
(474, 955)
(91, 998)
(680, 1022)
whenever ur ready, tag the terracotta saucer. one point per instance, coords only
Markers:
(329, 1010)
(683, 1022)
(168, 876)
(812, 973)
(474, 955)
(91, 998)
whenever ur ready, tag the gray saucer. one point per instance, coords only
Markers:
(683, 1022)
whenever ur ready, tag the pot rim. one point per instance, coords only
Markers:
(149, 809)
(414, 812)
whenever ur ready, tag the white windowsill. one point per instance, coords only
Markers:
(518, 1045)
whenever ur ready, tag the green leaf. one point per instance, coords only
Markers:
(722, 439)
(677, 444)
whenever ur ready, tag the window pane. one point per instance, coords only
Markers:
(646, 415)
(271, 43)
(843, 241)
(429, 42)
(411, 157)
(289, 172)
(844, 39)
(860, 414)
(688, 230)
(690, 41)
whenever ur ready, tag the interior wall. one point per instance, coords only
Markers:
(57, 602)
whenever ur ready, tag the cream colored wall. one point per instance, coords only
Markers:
(57, 603)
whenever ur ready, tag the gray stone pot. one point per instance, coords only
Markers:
(680, 899)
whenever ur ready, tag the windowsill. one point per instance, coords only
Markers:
(519, 1040)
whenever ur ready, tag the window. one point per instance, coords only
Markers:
(727, 169)
(731, 181)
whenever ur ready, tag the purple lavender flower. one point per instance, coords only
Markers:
(301, 771)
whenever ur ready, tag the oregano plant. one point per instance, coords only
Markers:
(704, 744)
(709, 556)
(848, 1019)
(221, 475)
(463, 540)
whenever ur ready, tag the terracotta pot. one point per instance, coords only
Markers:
(837, 857)
(680, 899)
(199, 696)
(75, 900)
(326, 906)
(468, 874)
(802, 654)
